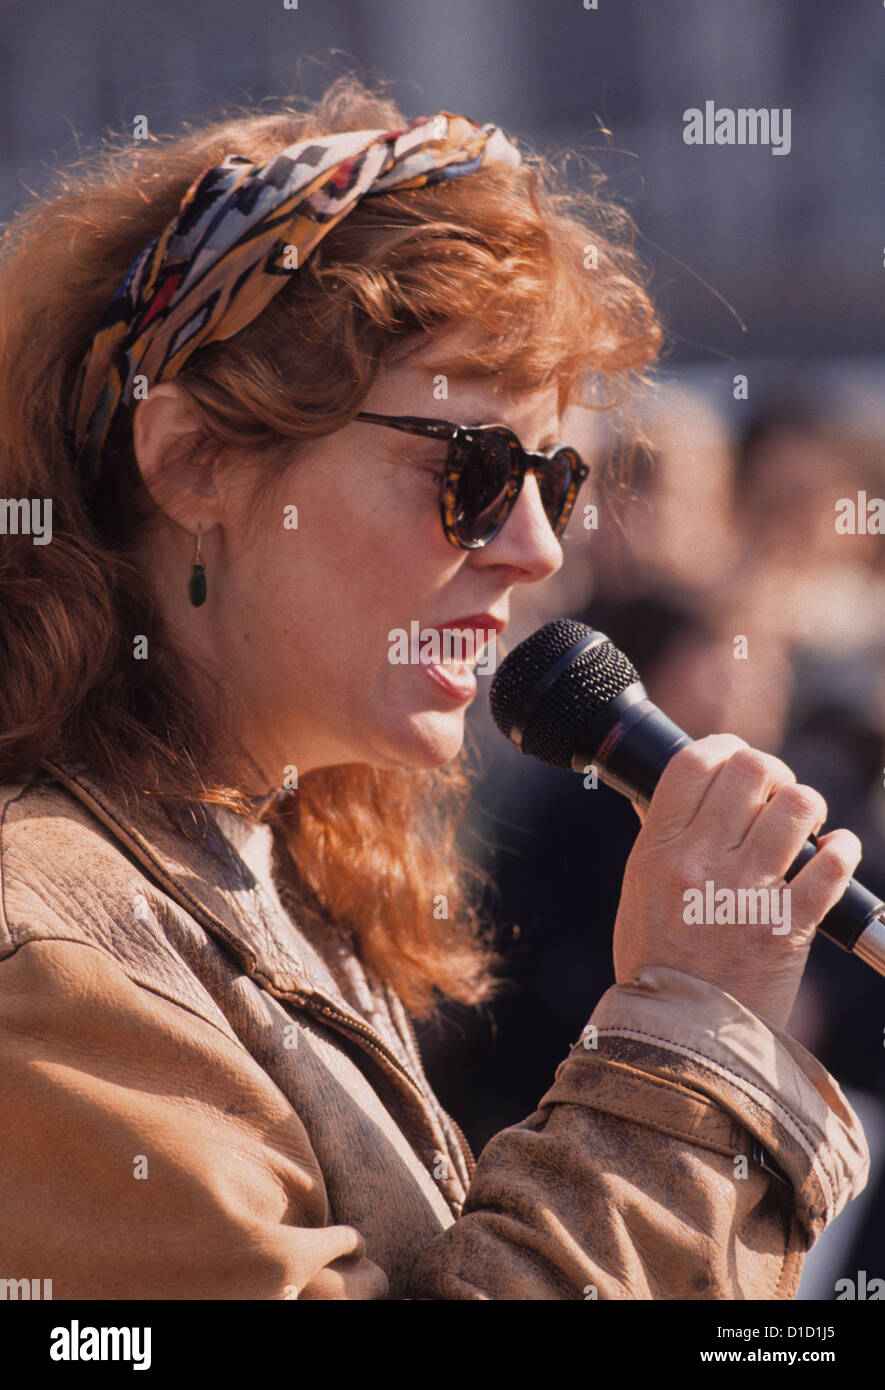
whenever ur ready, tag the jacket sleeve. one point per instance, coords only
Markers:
(639, 1176)
(156, 1161)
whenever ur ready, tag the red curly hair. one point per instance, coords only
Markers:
(504, 249)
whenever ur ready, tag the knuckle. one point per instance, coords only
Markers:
(694, 756)
(689, 765)
(779, 772)
(704, 754)
(750, 763)
(803, 802)
(717, 744)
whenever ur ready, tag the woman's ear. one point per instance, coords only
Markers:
(169, 442)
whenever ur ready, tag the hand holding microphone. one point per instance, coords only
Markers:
(727, 825)
(727, 814)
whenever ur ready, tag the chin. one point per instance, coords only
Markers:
(427, 741)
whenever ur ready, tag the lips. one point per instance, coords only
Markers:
(483, 626)
(477, 622)
(457, 678)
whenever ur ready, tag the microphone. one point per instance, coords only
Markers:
(569, 697)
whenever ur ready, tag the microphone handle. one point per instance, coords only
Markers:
(630, 756)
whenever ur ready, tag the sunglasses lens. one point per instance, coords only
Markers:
(483, 488)
(554, 484)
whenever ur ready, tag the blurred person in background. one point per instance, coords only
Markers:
(802, 575)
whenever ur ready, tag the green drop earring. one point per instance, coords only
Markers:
(197, 584)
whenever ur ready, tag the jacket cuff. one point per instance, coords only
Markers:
(700, 1041)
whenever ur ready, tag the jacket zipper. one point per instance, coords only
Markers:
(347, 1022)
(377, 1044)
(458, 1131)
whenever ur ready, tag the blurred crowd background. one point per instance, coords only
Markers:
(767, 267)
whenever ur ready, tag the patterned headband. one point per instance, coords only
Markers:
(241, 229)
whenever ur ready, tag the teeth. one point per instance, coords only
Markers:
(458, 651)
(458, 655)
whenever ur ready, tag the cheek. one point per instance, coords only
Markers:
(368, 554)
(386, 537)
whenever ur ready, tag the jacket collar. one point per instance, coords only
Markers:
(207, 877)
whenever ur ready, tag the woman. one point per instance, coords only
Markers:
(227, 837)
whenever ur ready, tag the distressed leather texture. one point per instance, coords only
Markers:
(206, 1097)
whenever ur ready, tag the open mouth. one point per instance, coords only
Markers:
(460, 647)
(452, 660)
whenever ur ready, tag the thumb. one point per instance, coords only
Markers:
(640, 811)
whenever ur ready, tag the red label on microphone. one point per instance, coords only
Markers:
(616, 733)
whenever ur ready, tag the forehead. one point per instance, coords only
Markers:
(436, 380)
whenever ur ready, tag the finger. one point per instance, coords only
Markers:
(740, 792)
(781, 828)
(685, 781)
(823, 880)
(640, 811)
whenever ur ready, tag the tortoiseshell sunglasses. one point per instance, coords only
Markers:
(484, 473)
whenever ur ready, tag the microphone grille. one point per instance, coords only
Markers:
(580, 692)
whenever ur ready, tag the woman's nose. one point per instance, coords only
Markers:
(526, 540)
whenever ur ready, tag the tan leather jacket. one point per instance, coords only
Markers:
(202, 1099)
